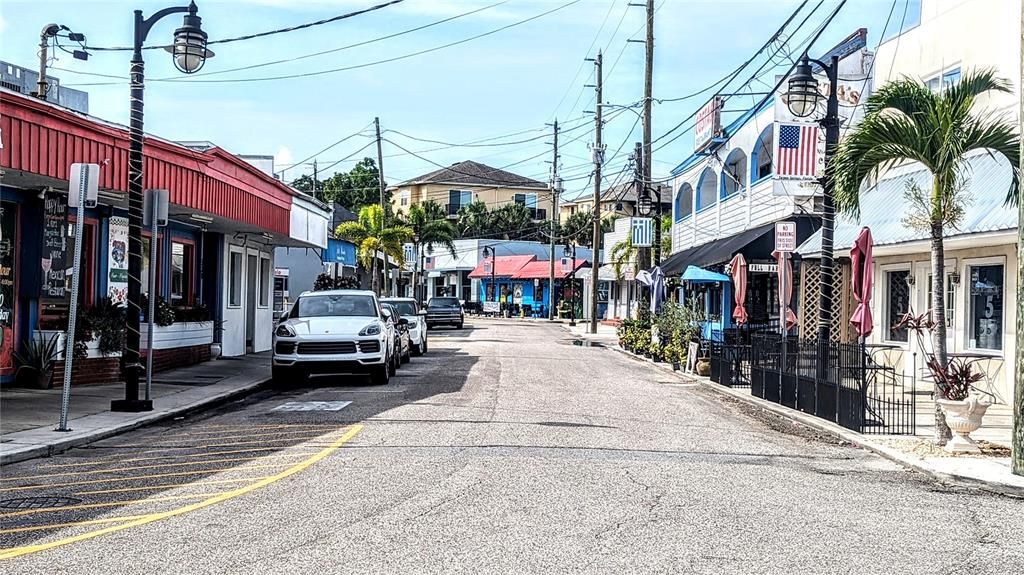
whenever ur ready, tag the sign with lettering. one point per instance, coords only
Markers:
(785, 236)
(55, 221)
(763, 268)
(709, 123)
(8, 225)
(117, 260)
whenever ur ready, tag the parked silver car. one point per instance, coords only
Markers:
(334, 331)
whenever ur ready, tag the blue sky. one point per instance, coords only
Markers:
(511, 81)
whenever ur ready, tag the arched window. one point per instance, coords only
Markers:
(734, 173)
(684, 202)
(761, 156)
(707, 189)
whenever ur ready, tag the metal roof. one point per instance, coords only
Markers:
(883, 207)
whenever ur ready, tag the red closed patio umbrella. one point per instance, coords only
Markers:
(738, 267)
(786, 285)
(863, 279)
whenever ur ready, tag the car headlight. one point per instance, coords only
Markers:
(285, 330)
(372, 329)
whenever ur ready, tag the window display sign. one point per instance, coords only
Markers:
(117, 260)
(986, 298)
(55, 221)
(8, 225)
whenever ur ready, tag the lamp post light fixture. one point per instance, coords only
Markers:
(802, 99)
(190, 53)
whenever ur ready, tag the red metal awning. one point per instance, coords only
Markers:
(43, 140)
(541, 269)
(504, 266)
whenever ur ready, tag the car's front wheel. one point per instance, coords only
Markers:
(381, 374)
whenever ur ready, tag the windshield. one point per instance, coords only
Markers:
(443, 302)
(404, 307)
(335, 306)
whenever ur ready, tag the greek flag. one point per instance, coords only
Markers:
(643, 232)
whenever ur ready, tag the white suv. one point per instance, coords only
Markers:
(409, 309)
(334, 331)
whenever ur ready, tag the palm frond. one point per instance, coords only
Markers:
(351, 231)
(995, 134)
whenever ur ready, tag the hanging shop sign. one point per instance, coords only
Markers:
(709, 123)
(117, 260)
(53, 262)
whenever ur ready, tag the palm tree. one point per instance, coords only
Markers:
(429, 228)
(474, 219)
(373, 239)
(905, 121)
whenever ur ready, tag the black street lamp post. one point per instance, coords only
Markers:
(190, 53)
(803, 98)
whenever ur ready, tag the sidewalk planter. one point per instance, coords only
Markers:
(92, 347)
(180, 334)
(963, 417)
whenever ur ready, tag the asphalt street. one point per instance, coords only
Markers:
(507, 449)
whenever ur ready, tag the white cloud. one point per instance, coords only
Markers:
(282, 158)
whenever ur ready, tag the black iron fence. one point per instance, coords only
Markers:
(839, 382)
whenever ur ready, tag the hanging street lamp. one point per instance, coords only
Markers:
(189, 53)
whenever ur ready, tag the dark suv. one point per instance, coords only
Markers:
(444, 311)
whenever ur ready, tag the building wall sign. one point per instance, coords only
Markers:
(55, 221)
(709, 123)
(117, 260)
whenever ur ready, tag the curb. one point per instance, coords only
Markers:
(842, 433)
(54, 448)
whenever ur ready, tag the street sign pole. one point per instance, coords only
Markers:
(785, 243)
(84, 179)
(157, 213)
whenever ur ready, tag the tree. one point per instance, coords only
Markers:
(513, 222)
(373, 239)
(429, 227)
(475, 220)
(905, 121)
(305, 183)
(358, 187)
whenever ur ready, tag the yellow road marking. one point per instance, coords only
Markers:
(106, 504)
(248, 432)
(26, 549)
(102, 460)
(141, 477)
(72, 524)
(168, 486)
(232, 444)
(154, 466)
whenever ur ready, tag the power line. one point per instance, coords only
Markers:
(366, 64)
(262, 34)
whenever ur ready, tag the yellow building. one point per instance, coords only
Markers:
(466, 182)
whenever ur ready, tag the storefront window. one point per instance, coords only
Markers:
(235, 280)
(182, 273)
(264, 281)
(898, 293)
(8, 255)
(986, 307)
(145, 265)
(88, 265)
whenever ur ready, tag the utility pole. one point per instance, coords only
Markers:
(597, 154)
(1017, 442)
(384, 214)
(648, 89)
(316, 177)
(555, 185)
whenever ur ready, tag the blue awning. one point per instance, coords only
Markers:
(701, 275)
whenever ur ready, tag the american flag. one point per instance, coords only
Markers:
(428, 263)
(797, 150)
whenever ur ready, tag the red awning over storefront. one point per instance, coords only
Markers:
(541, 269)
(41, 139)
(504, 266)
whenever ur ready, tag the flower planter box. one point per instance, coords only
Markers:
(92, 347)
(181, 334)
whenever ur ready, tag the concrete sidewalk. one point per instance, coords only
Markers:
(28, 417)
(989, 473)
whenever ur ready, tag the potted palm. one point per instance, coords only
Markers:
(36, 361)
(964, 410)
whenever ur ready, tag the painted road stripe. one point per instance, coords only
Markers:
(25, 550)
(72, 524)
(107, 504)
(250, 432)
(43, 486)
(104, 460)
(233, 444)
(154, 466)
(169, 486)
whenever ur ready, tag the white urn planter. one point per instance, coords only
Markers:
(963, 417)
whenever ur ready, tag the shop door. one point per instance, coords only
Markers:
(251, 271)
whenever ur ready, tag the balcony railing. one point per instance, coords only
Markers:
(453, 210)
